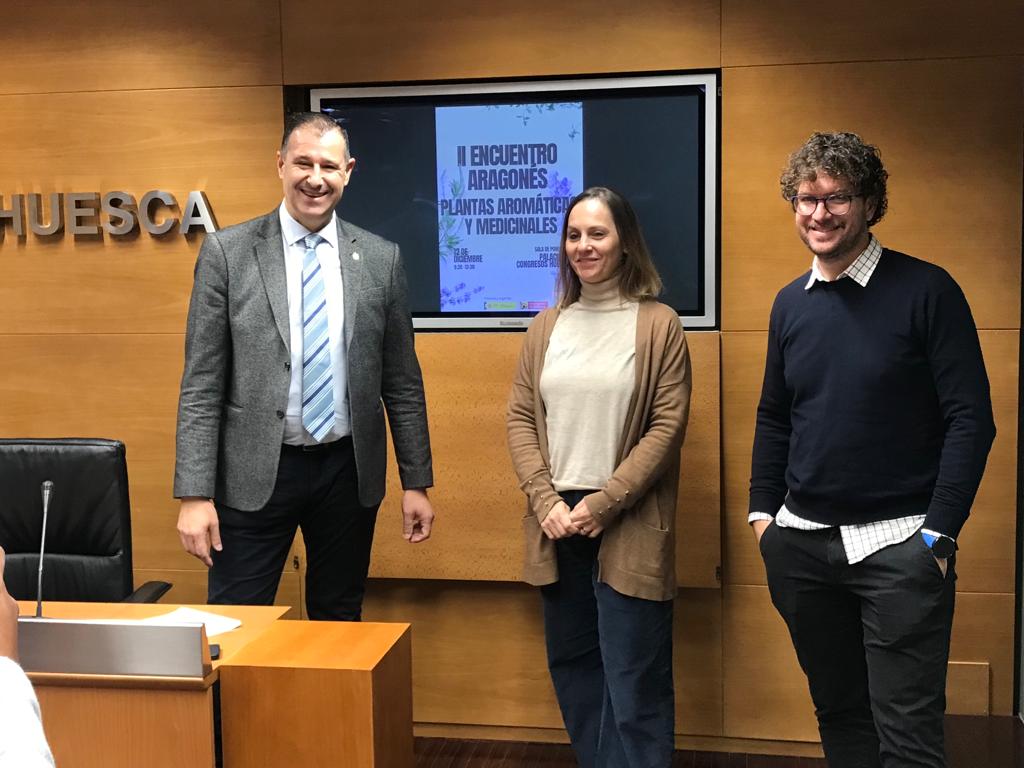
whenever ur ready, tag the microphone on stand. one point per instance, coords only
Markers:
(47, 489)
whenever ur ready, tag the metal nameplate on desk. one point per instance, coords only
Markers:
(111, 647)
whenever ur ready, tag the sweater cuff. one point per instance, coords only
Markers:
(607, 504)
(541, 497)
(761, 503)
(944, 522)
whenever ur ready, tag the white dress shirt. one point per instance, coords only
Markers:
(22, 741)
(292, 234)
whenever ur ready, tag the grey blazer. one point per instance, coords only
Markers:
(234, 389)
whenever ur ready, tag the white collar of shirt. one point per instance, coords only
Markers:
(292, 231)
(860, 271)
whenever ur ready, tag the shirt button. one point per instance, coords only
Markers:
(280, 414)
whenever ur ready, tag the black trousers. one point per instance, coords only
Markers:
(873, 640)
(317, 491)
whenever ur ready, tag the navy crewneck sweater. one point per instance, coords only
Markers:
(875, 402)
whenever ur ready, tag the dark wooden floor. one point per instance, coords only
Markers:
(452, 753)
(971, 742)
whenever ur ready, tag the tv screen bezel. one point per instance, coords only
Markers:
(709, 81)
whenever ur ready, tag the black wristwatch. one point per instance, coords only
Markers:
(943, 547)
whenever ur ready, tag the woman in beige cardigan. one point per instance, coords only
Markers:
(596, 419)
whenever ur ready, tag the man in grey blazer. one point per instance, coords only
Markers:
(298, 340)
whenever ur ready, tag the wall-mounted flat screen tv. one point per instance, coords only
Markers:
(472, 180)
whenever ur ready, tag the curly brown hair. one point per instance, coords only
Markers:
(841, 156)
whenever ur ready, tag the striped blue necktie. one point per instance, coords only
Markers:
(317, 381)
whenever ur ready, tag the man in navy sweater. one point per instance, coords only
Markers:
(873, 430)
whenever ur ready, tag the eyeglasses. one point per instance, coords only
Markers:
(806, 205)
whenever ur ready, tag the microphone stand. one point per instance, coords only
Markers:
(47, 490)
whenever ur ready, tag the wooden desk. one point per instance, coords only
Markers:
(320, 693)
(129, 722)
(292, 692)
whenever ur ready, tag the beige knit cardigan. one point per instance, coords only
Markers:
(637, 506)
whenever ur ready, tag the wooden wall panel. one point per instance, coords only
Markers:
(118, 386)
(407, 40)
(699, 519)
(950, 136)
(983, 632)
(778, 32)
(986, 558)
(219, 140)
(125, 387)
(969, 688)
(475, 495)
(742, 373)
(478, 653)
(477, 499)
(766, 694)
(106, 45)
(698, 662)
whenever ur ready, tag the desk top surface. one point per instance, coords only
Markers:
(326, 645)
(255, 618)
(323, 645)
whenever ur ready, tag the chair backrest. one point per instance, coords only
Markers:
(88, 533)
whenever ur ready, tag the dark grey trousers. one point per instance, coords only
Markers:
(873, 640)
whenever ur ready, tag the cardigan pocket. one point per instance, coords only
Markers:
(540, 565)
(646, 550)
(538, 548)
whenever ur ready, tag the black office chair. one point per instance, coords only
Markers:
(89, 527)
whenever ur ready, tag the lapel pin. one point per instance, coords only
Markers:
(355, 256)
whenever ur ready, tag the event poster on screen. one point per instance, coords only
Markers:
(505, 176)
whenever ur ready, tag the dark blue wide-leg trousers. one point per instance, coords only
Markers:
(610, 658)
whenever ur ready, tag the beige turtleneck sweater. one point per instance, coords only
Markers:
(588, 378)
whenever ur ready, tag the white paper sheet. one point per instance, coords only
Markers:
(215, 623)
